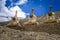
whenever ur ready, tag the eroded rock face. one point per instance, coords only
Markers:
(11, 34)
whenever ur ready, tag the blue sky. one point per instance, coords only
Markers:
(24, 7)
(40, 6)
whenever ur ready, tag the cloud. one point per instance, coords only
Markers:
(10, 12)
(3, 10)
(20, 12)
(28, 14)
(20, 2)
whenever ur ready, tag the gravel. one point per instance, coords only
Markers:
(12, 34)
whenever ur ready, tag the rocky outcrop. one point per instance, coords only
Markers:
(11, 34)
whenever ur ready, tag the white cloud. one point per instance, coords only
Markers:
(10, 12)
(3, 10)
(28, 14)
(20, 2)
(20, 12)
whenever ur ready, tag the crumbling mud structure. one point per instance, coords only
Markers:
(14, 21)
(50, 17)
(32, 20)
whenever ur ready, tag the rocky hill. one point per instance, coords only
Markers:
(11, 34)
(41, 32)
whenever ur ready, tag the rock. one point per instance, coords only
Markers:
(11, 34)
